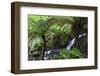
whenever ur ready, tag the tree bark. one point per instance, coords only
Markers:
(44, 47)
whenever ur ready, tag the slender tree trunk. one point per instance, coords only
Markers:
(44, 47)
(79, 28)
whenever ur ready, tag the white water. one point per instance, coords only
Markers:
(71, 44)
(68, 47)
(82, 35)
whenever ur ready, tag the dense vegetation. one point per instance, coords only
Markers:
(57, 37)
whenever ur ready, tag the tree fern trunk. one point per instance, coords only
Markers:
(44, 47)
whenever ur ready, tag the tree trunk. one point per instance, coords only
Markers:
(44, 47)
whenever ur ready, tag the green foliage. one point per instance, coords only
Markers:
(55, 30)
(75, 53)
(64, 54)
(71, 54)
(35, 43)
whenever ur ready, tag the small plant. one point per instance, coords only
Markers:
(75, 53)
(64, 54)
(71, 54)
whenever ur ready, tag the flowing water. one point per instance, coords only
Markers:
(49, 53)
(68, 47)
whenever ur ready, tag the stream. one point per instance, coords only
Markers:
(69, 45)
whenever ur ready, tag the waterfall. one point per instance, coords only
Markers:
(50, 52)
(81, 35)
(71, 43)
(47, 54)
